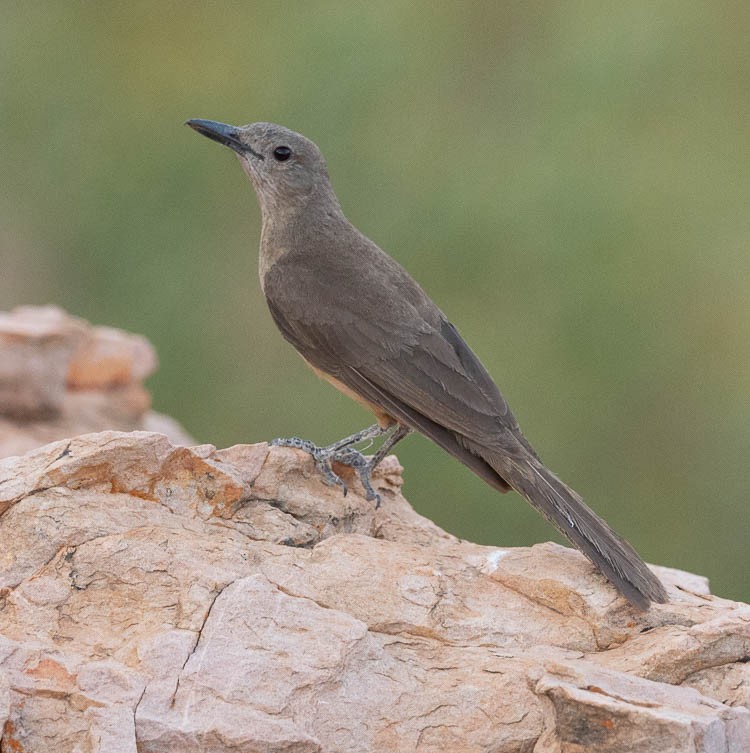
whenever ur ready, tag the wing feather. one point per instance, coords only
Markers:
(375, 330)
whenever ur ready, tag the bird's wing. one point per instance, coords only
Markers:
(368, 324)
(396, 349)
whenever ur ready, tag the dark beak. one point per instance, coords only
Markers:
(221, 132)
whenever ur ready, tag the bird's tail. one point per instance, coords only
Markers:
(610, 553)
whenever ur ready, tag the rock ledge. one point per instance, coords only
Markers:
(163, 598)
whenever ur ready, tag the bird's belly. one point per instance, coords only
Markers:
(383, 418)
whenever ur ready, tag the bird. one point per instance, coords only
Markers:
(362, 322)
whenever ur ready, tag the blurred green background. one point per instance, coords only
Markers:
(569, 180)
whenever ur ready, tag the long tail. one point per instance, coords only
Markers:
(525, 473)
(616, 559)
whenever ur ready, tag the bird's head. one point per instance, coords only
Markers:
(286, 168)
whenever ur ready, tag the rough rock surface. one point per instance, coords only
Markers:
(61, 376)
(163, 598)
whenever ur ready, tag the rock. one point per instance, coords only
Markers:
(36, 346)
(162, 598)
(60, 376)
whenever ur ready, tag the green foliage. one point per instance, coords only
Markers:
(569, 181)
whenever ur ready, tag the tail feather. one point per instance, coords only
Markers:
(522, 470)
(610, 553)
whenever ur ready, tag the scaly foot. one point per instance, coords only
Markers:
(343, 452)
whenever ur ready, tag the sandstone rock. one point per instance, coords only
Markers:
(60, 376)
(160, 598)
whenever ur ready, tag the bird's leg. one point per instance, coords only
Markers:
(324, 455)
(401, 432)
(376, 430)
(343, 452)
(364, 467)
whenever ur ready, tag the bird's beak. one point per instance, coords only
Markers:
(221, 132)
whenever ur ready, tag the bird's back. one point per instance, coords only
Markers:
(347, 305)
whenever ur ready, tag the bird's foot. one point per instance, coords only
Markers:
(363, 467)
(324, 456)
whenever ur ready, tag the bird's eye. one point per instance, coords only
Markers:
(282, 153)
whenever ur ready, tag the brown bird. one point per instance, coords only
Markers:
(363, 323)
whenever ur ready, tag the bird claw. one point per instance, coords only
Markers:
(355, 460)
(324, 456)
(330, 477)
